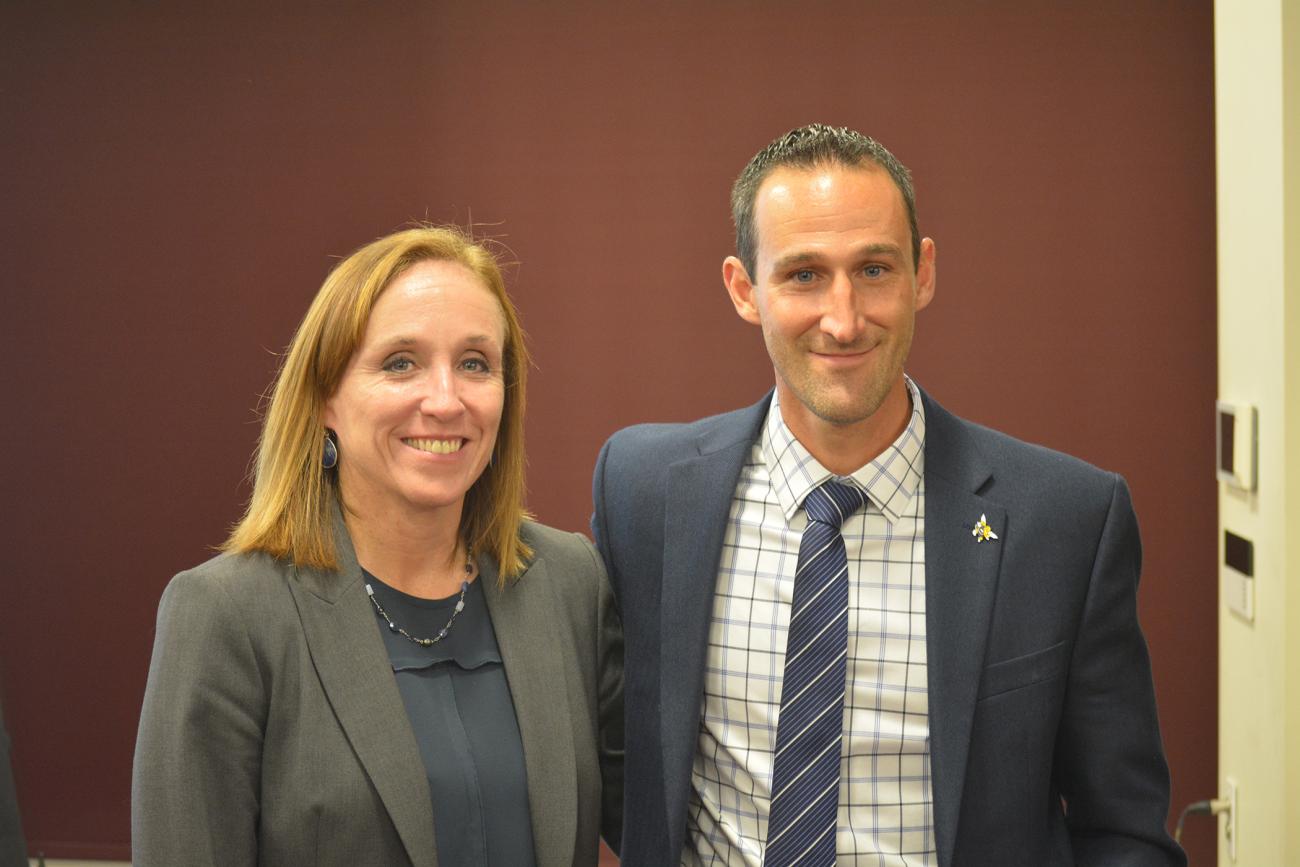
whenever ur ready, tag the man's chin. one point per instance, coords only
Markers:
(843, 417)
(845, 411)
(837, 403)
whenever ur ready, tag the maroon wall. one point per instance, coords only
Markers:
(177, 181)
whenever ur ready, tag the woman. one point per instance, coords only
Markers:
(388, 664)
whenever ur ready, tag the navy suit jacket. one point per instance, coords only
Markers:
(1044, 743)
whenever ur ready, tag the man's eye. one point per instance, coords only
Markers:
(803, 275)
(874, 270)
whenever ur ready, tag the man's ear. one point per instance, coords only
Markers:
(925, 274)
(740, 288)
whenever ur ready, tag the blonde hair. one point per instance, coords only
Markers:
(290, 514)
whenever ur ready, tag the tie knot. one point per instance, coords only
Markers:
(832, 502)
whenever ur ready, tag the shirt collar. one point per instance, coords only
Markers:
(890, 481)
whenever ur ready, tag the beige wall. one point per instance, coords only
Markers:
(1257, 66)
(1291, 366)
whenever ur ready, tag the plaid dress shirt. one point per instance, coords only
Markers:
(885, 804)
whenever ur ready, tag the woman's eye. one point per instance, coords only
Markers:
(398, 365)
(476, 365)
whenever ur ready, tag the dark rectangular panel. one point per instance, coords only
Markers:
(1239, 553)
(1226, 443)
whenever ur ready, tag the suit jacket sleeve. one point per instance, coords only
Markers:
(1113, 775)
(612, 770)
(610, 707)
(598, 530)
(194, 792)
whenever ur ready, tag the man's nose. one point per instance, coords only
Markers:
(841, 319)
(441, 397)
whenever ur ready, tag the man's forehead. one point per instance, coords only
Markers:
(785, 183)
(827, 194)
(798, 208)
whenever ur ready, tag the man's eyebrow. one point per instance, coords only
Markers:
(881, 249)
(804, 257)
(791, 259)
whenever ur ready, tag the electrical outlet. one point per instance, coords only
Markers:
(1230, 820)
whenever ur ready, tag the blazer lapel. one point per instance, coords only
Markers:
(355, 672)
(961, 583)
(698, 502)
(524, 619)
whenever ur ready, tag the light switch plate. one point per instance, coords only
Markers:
(1239, 593)
(1236, 444)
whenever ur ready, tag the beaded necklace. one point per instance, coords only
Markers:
(442, 633)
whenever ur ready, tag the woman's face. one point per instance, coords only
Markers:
(417, 411)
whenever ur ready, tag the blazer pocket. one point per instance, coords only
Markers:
(1022, 671)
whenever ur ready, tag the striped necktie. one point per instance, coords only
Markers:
(806, 778)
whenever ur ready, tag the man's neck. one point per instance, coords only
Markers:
(845, 448)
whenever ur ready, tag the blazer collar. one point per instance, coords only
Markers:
(699, 492)
(960, 587)
(527, 621)
(348, 652)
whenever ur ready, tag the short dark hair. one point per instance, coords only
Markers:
(805, 148)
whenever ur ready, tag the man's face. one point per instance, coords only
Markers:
(836, 292)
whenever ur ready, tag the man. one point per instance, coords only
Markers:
(858, 629)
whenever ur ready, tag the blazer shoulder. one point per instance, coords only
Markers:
(1036, 457)
(958, 448)
(558, 546)
(656, 444)
(245, 592)
(237, 572)
(571, 560)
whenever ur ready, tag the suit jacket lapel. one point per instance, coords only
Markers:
(961, 583)
(524, 619)
(698, 502)
(356, 674)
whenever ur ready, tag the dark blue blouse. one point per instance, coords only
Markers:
(460, 707)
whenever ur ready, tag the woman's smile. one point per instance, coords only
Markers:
(435, 446)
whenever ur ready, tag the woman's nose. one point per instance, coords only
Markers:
(441, 396)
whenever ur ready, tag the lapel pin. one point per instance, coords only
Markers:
(982, 531)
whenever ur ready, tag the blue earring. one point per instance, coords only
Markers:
(330, 459)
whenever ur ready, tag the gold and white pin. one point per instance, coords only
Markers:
(982, 531)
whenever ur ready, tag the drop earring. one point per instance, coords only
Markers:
(330, 458)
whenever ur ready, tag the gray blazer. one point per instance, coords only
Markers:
(273, 732)
(1039, 681)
